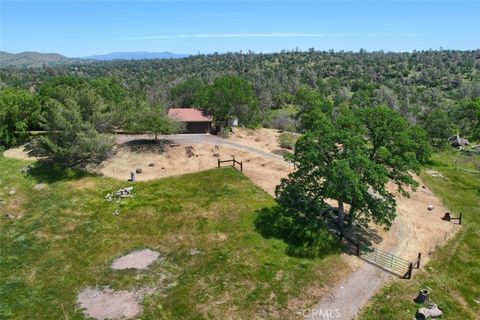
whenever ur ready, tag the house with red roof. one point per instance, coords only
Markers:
(196, 121)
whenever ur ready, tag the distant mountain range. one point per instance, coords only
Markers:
(137, 56)
(37, 59)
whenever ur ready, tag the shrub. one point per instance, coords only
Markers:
(287, 140)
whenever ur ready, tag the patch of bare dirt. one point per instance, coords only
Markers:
(263, 139)
(106, 303)
(20, 153)
(174, 160)
(139, 260)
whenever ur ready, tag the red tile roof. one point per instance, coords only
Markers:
(189, 115)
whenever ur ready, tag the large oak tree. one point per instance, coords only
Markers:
(350, 159)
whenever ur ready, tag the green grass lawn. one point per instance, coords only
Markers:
(453, 274)
(66, 238)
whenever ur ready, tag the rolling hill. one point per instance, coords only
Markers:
(32, 59)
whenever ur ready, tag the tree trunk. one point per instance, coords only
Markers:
(341, 214)
(350, 218)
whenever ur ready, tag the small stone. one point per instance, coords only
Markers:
(194, 251)
(216, 155)
(151, 164)
(430, 207)
(27, 169)
(39, 186)
(138, 170)
(12, 192)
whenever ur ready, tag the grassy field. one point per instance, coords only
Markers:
(60, 239)
(453, 274)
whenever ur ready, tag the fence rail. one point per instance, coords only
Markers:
(233, 161)
(383, 259)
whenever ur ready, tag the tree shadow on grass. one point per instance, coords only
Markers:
(305, 238)
(45, 171)
(312, 236)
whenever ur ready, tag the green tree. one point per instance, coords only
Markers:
(467, 115)
(70, 140)
(19, 112)
(230, 97)
(188, 93)
(351, 159)
(439, 127)
(153, 120)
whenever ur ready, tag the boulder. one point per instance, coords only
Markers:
(458, 142)
(431, 312)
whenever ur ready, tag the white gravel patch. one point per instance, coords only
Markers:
(140, 260)
(102, 304)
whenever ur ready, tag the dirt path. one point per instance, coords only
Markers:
(414, 230)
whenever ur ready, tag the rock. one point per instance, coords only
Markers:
(138, 170)
(121, 193)
(458, 142)
(194, 251)
(39, 186)
(217, 147)
(431, 312)
(26, 170)
(189, 151)
(216, 155)
(2, 203)
(430, 207)
(12, 192)
(151, 164)
(10, 216)
(434, 173)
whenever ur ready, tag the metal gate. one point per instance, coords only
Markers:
(387, 261)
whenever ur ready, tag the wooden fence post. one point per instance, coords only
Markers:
(418, 259)
(218, 163)
(460, 219)
(409, 273)
(241, 166)
(358, 249)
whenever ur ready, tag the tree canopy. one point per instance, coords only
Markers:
(230, 97)
(19, 112)
(350, 159)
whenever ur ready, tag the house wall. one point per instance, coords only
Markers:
(197, 127)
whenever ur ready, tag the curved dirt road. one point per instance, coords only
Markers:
(186, 139)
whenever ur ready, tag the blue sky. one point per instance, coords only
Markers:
(82, 28)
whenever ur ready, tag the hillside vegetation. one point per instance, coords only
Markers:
(438, 90)
(32, 59)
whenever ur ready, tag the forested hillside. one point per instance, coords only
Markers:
(432, 88)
